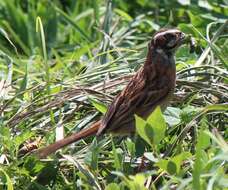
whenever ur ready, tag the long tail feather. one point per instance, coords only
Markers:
(44, 152)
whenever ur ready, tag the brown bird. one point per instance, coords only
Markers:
(153, 85)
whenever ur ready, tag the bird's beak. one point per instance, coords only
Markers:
(182, 38)
(183, 35)
(188, 39)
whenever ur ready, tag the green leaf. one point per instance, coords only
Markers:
(140, 146)
(144, 130)
(137, 182)
(203, 141)
(98, 105)
(19, 139)
(172, 115)
(112, 186)
(48, 173)
(130, 147)
(173, 165)
(118, 157)
(91, 157)
(179, 159)
(157, 121)
(150, 156)
(33, 165)
(124, 15)
(217, 138)
(162, 163)
(8, 180)
(171, 168)
(216, 107)
(152, 130)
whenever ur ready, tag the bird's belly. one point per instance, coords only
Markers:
(163, 103)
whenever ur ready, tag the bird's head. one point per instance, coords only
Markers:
(168, 40)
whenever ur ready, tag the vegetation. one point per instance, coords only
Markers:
(62, 62)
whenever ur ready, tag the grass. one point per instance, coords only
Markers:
(62, 76)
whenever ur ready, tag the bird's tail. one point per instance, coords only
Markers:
(44, 152)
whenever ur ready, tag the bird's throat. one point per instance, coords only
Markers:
(161, 58)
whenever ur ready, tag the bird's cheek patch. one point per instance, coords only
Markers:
(172, 43)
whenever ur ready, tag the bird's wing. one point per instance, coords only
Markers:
(139, 96)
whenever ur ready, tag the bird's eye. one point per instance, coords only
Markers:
(171, 40)
(170, 36)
